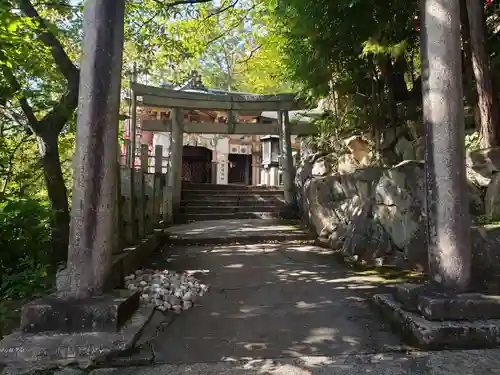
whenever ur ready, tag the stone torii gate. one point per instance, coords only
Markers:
(178, 101)
(85, 319)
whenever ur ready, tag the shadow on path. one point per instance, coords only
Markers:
(285, 300)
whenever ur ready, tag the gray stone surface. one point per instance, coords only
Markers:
(270, 301)
(474, 362)
(466, 306)
(434, 305)
(376, 215)
(439, 334)
(106, 313)
(41, 371)
(61, 349)
(69, 371)
(491, 199)
(370, 213)
(251, 230)
(141, 356)
(115, 371)
(485, 161)
(407, 294)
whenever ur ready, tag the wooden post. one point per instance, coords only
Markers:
(125, 159)
(128, 218)
(133, 119)
(131, 162)
(127, 190)
(167, 188)
(287, 159)
(141, 192)
(158, 201)
(118, 240)
(94, 188)
(175, 174)
(447, 200)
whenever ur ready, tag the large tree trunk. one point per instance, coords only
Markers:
(57, 193)
(482, 72)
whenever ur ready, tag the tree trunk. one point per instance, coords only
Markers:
(387, 74)
(468, 71)
(399, 68)
(482, 73)
(57, 193)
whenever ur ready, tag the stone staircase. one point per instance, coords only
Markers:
(201, 202)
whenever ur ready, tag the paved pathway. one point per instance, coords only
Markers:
(274, 300)
(474, 362)
(242, 230)
(283, 308)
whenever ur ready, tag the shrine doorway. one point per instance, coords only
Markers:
(197, 164)
(240, 169)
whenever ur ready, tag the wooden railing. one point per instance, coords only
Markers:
(145, 202)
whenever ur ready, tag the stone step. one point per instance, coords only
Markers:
(233, 197)
(233, 202)
(186, 218)
(210, 187)
(217, 209)
(243, 239)
(233, 191)
(237, 231)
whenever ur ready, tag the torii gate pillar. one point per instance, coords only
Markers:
(288, 169)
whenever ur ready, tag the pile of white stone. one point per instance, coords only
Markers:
(166, 290)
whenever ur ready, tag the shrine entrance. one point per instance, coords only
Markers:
(240, 169)
(197, 164)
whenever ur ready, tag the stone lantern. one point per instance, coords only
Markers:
(270, 160)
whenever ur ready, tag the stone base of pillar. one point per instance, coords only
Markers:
(106, 313)
(274, 176)
(62, 331)
(435, 320)
(264, 177)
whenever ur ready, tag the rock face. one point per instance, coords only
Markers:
(373, 214)
(492, 198)
(377, 214)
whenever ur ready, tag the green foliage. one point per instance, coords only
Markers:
(332, 127)
(486, 220)
(472, 141)
(26, 250)
(326, 40)
(233, 44)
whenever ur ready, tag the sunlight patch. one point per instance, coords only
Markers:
(320, 335)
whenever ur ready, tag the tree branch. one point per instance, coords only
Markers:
(167, 6)
(181, 2)
(250, 55)
(58, 116)
(64, 63)
(56, 4)
(62, 111)
(16, 87)
(221, 10)
(10, 163)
